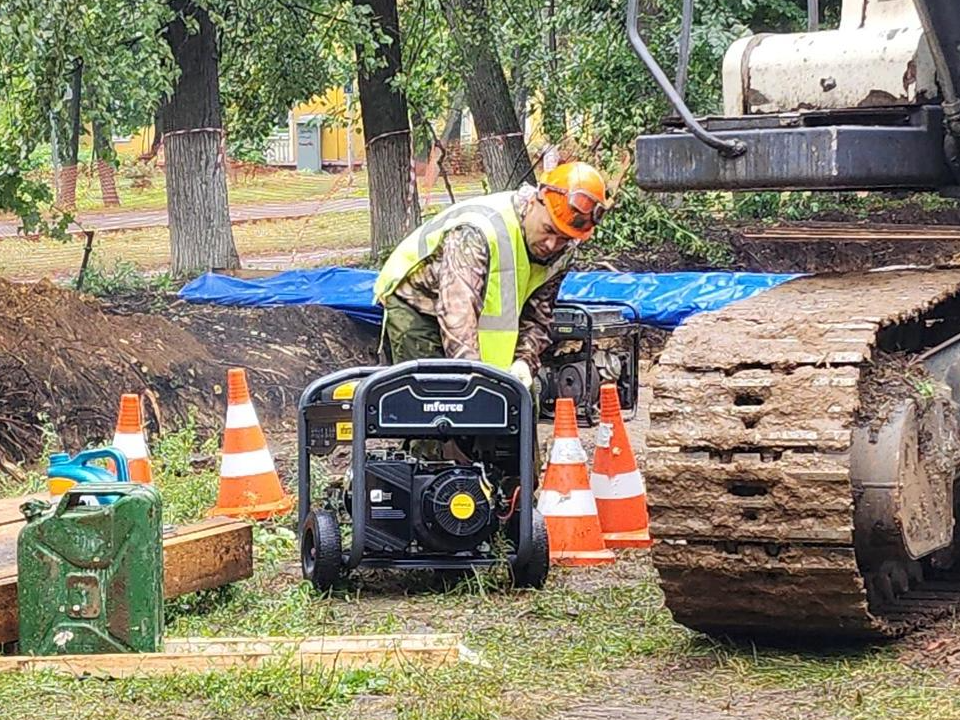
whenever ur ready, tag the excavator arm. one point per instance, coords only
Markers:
(869, 105)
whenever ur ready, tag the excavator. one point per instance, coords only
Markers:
(802, 483)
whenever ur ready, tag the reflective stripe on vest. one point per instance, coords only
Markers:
(505, 321)
(510, 282)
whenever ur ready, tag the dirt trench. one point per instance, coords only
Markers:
(65, 358)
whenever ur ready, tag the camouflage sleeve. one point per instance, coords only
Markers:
(463, 281)
(535, 322)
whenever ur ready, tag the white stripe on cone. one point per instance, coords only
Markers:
(625, 485)
(242, 416)
(246, 463)
(567, 451)
(132, 445)
(576, 503)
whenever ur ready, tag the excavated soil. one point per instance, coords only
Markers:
(854, 256)
(65, 358)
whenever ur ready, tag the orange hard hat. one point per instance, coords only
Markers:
(575, 197)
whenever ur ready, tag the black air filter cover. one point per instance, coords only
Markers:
(457, 514)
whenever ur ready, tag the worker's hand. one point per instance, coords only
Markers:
(521, 371)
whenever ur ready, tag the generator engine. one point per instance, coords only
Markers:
(428, 506)
(592, 345)
(441, 472)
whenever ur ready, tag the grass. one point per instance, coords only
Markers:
(594, 637)
(269, 186)
(296, 239)
(252, 186)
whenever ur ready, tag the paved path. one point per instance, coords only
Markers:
(137, 219)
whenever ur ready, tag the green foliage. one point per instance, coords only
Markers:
(123, 278)
(643, 220)
(185, 471)
(277, 54)
(41, 43)
(273, 55)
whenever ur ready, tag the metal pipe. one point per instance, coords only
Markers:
(683, 62)
(727, 148)
(813, 15)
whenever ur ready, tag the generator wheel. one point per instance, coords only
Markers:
(320, 550)
(534, 573)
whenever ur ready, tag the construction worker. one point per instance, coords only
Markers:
(479, 280)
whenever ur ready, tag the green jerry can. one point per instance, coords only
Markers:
(90, 574)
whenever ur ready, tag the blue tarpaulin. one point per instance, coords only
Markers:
(346, 289)
(661, 299)
(667, 299)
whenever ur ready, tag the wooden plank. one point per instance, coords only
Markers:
(9, 618)
(10, 508)
(204, 655)
(205, 555)
(848, 232)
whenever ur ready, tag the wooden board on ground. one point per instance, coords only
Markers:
(207, 654)
(202, 556)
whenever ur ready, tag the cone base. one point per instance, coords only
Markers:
(632, 539)
(261, 511)
(579, 558)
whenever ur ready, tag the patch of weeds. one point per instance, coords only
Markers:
(273, 546)
(925, 387)
(34, 479)
(276, 690)
(861, 684)
(432, 695)
(646, 222)
(185, 472)
(123, 278)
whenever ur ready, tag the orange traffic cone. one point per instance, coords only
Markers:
(566, 501)
(249, 485)
(616, 482)
(129, 440)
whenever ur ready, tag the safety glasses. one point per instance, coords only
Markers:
(588, 209)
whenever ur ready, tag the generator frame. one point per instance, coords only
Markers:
(321, 421)
(585, 332)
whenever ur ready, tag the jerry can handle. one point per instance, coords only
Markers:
(71, 498)
(107, 453)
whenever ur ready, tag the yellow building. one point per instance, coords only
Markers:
(316, 135)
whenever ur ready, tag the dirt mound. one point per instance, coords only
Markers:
(756, 255)
(65, 358)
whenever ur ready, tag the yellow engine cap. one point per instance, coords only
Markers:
(345, 391)
(462, 506)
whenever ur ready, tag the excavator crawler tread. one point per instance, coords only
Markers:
(748, 458)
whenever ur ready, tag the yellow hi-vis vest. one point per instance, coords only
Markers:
(511, 279)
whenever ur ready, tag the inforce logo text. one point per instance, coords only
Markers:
(442, 407)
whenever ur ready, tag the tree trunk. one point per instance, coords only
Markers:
(554, 117)
(394, 205)
(519, 82)
(200, 234)
(454, 123)
(502, 145)
(70, 149)
(105, 170)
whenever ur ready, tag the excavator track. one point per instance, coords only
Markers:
(748, 460)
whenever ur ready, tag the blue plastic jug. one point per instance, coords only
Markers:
(64, 472)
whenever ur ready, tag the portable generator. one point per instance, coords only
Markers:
(441, 472)
(592, 344)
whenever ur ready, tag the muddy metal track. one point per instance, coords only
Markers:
(748, 461)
